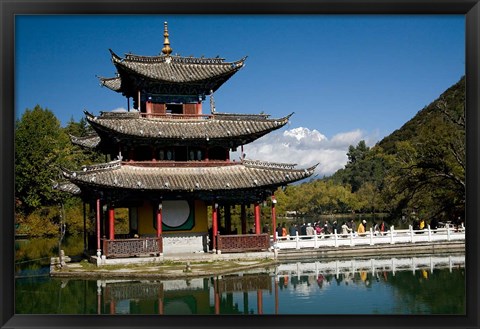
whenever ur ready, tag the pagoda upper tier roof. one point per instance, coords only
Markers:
(169, 74)
(216, 129)
(178, 177)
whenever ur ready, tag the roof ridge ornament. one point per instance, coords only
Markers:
(166, 42)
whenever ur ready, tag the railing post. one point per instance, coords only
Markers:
(410, 227)
(315, 239)
(448, 232)
(297, 240)
(336, 237)
(371, 236)
(391, 235)
(429, 233)
(351, 238)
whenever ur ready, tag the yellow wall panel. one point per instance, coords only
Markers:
(146, 219)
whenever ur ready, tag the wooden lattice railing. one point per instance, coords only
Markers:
(132, 247)
(245, 242)
(244, 283)
(129, 290)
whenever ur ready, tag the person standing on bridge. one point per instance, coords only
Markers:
(310, 229)
(345, 229)
(278, 230)
(303, 229)
(352, 226)
(362, 227)
(293, 231)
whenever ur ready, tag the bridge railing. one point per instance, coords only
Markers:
(371, 237)
(371, 264)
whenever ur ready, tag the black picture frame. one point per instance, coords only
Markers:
(10, 8)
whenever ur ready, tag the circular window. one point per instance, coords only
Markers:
(175, 212)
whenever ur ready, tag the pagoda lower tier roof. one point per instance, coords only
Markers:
(168, 74)
(217, 129)
(181, 178)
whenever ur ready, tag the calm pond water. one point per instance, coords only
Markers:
(427, 284)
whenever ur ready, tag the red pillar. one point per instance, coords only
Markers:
(217, 296)
(274, 217)
(160, 301)
(259, 301)
(257, 218)
(214, 225)
(111, 222)
(160, 306)
(243, 218)
(159, 220)
(98, 225)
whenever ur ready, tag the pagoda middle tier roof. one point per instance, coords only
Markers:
(169, 74)
(178, 177)
(217, 129)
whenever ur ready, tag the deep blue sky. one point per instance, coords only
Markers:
(338, 73)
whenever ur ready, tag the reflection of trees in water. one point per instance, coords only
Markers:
(34, 253)
(54, 296)
(442, 291)
(437, 292)
(421, 291)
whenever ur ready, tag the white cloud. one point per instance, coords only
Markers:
(306, 148)
(119, 109)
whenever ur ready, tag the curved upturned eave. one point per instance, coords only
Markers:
(176, 69)
(90, 142)
(129, 125)
(67, 187)
(241, 176)
(114, 83)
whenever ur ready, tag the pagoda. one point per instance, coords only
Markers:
(168, 162)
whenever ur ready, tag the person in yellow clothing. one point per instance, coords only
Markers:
(422, 224)
(362, 227)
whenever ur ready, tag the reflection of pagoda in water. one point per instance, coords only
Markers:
(261, 291)
(170, 161)
(183, 296)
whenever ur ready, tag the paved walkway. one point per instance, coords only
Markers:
(167, 267)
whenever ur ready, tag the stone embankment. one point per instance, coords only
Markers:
(209, 264)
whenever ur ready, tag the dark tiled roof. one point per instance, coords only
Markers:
(114, 84)
(245, 175)
(246, 128)
(209, 72)
(67, 187)
(90, 141)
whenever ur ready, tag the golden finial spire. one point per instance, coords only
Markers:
(166, 43)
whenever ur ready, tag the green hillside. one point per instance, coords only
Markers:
(453, 96)
(418, 169)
